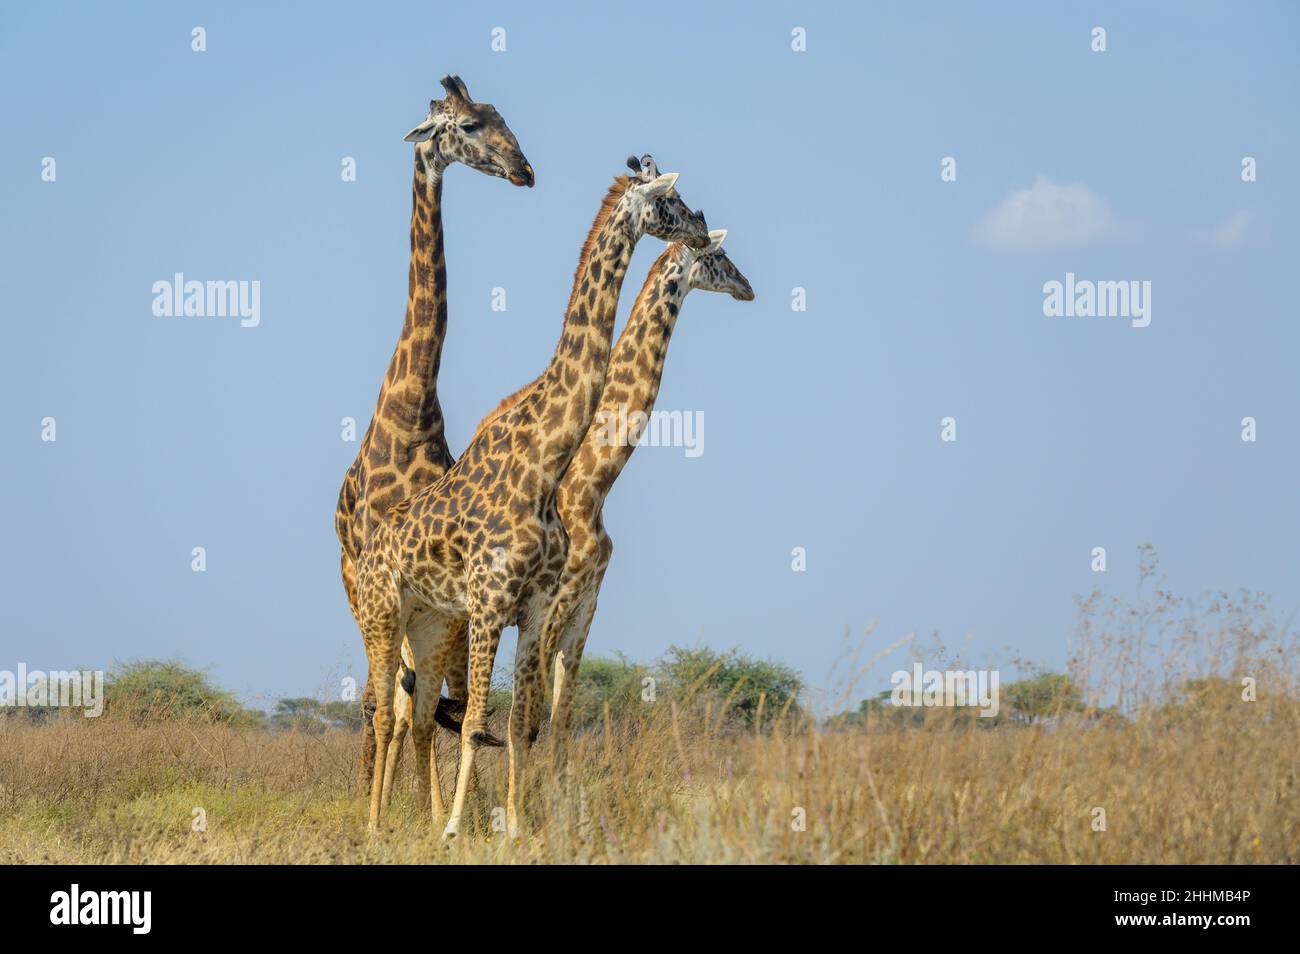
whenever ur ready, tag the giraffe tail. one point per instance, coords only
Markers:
(449, 713)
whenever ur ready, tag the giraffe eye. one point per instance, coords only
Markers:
(469, 127)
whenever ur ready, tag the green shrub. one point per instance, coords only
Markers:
(688, 677)
(1043, 696)
(732, 679)
(151, 690)
(616, 681)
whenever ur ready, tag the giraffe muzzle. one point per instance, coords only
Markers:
(523, 176)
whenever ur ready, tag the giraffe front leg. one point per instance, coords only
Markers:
(383, 668)
(366, 765)
(401, 723)
(585, 571)
(457, 674)
(379, 613)
(428, 640)
(525, 706)
(484, 638)
(424, 733)
(557, 617)
(568, 661)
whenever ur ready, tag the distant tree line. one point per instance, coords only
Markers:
(729, 690)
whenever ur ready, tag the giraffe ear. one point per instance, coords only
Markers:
(421, 132)
(661, 185)
(716, 238)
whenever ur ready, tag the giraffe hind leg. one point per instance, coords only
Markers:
(401, 723)
(485, 636)
(380, 616)
(366, 763)
(525, 709)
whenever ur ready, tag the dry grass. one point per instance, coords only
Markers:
(1218, 786)
(1185, 769)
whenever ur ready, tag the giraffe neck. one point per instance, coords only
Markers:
(408, 410)
(566, 396)
(636, 367)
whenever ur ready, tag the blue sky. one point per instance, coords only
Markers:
(822, 427)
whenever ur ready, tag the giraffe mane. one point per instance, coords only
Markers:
(661, 262)
(617, 188)
(506, 403)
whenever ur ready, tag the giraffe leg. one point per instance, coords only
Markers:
(484, 638)
(525, 706)
(428, 640)
(557, 616)
(366, 764)
(437, 808)
(458, 671)
(401, 723)
(380, 616)
(424, 735)
(567, 662)
(458, 660)
(558, 622)
(383, 668)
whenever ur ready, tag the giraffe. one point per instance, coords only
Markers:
(476, 544)
(631, 387)
(405, 447)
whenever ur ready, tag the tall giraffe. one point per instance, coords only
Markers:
(405, 446)
(476, 543)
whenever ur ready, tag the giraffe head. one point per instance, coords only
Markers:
(713, 271)
(656, 209)
(457, 129)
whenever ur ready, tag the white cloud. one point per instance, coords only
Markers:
(1047, 216)
(1229, 233)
